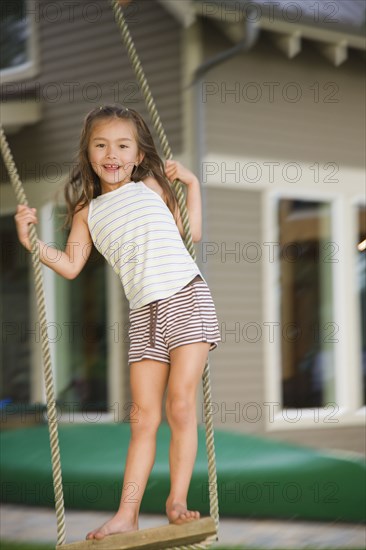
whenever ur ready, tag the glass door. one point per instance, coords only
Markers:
(82, 350)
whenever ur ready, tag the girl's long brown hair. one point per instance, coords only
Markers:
(84, 184)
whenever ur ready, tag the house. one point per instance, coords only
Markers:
(266, 101)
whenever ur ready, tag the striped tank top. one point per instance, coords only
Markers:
(135, 231)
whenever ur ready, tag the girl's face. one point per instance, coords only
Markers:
(113, 152)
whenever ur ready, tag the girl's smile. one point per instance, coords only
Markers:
(111, 167)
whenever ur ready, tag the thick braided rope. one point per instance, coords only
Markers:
(154, 115)
(47, 368)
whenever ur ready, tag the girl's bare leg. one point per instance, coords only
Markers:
(187, 365)
(148, 379)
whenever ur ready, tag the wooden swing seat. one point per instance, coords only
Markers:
(155, 538)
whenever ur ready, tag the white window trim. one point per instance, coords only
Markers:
(347, 380)
(30, 68)
(46, 230)
(116, 331)
(356, 202)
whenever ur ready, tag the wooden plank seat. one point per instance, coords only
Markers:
(155, 538)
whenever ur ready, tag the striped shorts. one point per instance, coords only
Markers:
(187, 317)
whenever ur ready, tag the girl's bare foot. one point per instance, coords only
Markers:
(177, 513)
(117, 524)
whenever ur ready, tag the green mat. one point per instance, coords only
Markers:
(257, 477)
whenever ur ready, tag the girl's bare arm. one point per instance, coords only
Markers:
(69, 262)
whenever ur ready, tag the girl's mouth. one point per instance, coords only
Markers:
(111, 167)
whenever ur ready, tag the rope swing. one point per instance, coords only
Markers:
(193, 535)
(47, 368)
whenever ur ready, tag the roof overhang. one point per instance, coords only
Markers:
(332, 41)
(15, 114)
(182, 10)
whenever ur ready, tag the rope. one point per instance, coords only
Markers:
(47, 369)
(154, 115)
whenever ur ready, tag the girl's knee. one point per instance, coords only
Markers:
(145, 423)
(180, 411)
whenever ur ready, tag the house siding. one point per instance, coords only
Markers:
(311, 128)
(81, 60)
(235, 282)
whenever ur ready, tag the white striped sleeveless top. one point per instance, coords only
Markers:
(135, 231)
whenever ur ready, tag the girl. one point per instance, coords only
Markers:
(119, 198)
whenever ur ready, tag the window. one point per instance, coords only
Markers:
(17, 332)
(309, 334)
(14, 34)
(76, 321)
(18, 59)
(82, 348)
(315, 294)
(88, 342)
(361, 286)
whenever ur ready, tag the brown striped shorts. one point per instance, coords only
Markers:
(187, 317)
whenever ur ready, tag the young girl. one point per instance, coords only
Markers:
(119, 198)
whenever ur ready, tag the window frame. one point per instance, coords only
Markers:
(348, 409)
(355, 203)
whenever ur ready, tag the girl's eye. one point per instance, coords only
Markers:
(102, 145)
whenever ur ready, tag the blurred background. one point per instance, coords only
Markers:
(265, 101)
